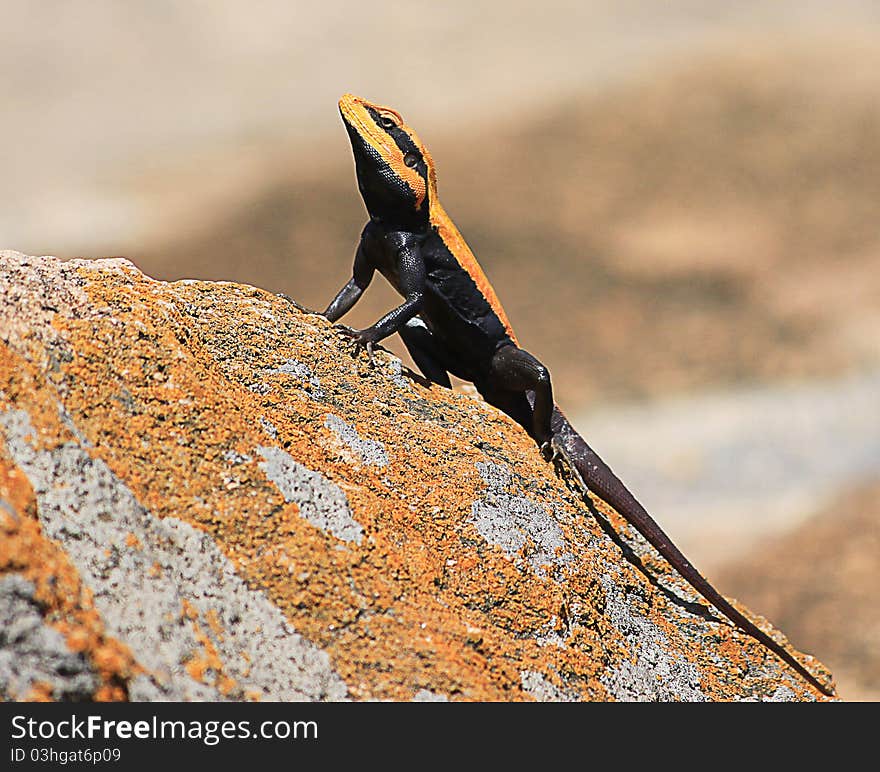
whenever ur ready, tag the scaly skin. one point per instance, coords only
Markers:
(451, 321)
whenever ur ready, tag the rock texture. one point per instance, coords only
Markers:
(204, 496)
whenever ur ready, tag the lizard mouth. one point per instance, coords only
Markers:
(359, 115)
(354, 111)
(349, 104)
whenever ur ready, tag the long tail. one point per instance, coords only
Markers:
(598, 478)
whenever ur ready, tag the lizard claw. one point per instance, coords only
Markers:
(362, 340)
(552, 451)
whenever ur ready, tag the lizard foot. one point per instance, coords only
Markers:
(565, 468)
(552, 451)
(361, 339)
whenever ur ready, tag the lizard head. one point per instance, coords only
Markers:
(395, 172)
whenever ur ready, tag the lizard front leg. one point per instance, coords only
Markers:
(362, 275)
(411, 278)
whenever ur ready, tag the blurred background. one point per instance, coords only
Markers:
(676, 201)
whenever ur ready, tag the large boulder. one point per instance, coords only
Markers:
(204, 495)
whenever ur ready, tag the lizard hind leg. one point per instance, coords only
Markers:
(514, 372)
(425, 352)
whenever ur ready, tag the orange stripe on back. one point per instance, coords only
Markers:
(462, 252)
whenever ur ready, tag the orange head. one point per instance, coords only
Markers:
(394, 169)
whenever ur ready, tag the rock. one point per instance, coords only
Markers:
(205, 496)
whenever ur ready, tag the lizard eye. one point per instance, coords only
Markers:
(410, 159)
(386, 123)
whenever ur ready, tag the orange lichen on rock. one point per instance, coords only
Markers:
(411, 535)
(207, 666)
(40, 691)
(58, 592)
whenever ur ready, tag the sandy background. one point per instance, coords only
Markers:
(677, 203)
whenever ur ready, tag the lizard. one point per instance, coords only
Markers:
(451, 321)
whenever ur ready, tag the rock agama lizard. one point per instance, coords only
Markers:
(451, 321)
